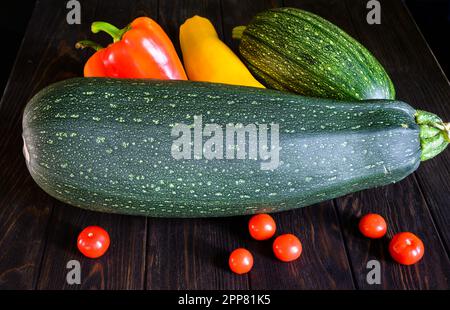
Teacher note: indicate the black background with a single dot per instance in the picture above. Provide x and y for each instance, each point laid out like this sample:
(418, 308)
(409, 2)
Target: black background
(309, 299)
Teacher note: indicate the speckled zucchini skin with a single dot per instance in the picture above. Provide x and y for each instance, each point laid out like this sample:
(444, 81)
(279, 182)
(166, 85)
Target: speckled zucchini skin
(294, 50)
(105, 145)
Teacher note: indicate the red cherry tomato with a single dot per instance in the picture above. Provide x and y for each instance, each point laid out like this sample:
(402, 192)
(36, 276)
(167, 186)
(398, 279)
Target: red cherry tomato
(406, 248)
(93, 241)
(373, 226)
(287, 247)
(261, 226)
(241, 261)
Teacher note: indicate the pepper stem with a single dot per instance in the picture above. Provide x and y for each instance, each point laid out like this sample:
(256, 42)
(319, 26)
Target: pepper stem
(434, 134)
(112, 30)
(88, 43)
(237, 32)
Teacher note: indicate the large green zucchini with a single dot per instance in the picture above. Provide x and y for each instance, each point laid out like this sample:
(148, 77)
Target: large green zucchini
(294, 50)
(105, 145)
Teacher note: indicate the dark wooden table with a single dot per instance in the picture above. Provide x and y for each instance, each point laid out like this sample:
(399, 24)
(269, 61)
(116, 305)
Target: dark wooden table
(38, 234)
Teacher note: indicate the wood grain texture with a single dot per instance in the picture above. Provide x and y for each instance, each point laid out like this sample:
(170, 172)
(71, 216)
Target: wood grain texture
(193, 253)
(38, 233)
(24, 209)
(122, 267)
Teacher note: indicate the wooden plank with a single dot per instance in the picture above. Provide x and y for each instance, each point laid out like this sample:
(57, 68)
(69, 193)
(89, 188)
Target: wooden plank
(24, 215)
(123, 267)
(191, 253)
(324, 264)
(397, 44)
(24, 208)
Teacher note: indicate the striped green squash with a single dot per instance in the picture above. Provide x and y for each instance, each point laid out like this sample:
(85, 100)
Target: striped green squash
(294, 50)
(106, 145)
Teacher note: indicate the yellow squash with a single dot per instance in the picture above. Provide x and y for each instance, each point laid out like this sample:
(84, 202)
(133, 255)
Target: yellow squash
(206, 58)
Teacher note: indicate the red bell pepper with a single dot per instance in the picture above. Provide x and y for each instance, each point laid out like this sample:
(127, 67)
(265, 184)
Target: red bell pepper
(140, 50)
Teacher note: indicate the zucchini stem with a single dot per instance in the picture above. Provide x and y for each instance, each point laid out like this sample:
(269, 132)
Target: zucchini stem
(434, 134)
(447, 131)
(237, 32)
